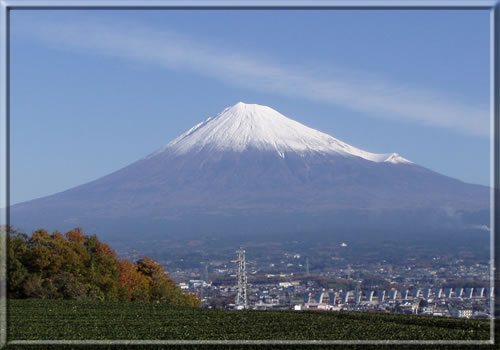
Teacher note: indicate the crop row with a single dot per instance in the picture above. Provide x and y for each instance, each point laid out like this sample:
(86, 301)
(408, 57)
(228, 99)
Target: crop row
(61, 319)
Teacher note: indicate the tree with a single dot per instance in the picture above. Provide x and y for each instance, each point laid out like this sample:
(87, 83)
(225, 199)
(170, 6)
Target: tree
(69, 288)
(16, 271)
(137, 285)
(76, 266)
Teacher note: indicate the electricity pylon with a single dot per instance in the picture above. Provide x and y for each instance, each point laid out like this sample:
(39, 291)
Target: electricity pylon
(241, 297)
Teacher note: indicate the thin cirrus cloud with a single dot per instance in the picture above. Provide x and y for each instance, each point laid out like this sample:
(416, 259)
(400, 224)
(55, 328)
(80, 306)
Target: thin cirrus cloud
(380, 98)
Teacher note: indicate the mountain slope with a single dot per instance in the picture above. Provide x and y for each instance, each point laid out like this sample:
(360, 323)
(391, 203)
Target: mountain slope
(252, 169)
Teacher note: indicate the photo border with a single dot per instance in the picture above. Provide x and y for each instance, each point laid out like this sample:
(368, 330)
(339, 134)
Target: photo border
(493, 5)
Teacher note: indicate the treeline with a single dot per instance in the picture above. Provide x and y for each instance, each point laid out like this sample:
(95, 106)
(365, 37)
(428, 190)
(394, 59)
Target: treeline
(77, 266)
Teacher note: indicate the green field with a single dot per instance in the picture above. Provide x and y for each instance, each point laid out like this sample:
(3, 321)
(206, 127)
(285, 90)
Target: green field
(79, 320)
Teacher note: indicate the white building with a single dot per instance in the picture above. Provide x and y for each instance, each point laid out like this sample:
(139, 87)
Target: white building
(460, 312)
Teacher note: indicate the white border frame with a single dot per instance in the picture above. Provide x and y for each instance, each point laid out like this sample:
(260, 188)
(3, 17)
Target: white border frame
(492, 5)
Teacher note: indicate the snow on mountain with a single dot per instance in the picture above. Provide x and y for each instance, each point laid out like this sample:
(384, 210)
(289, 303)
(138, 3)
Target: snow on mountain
(245, 126)
(250, 171)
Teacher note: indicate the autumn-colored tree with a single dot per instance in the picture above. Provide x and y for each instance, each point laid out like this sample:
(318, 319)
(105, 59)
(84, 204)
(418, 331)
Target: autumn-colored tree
(136, 284)
(76, 266)
(163, 288)
(76, 235)
(149, 267)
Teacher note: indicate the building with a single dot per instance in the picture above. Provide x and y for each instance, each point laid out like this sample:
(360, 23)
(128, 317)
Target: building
(461, 312)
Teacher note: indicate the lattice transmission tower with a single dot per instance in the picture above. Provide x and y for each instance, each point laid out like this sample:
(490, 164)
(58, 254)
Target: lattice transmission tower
(241, 297)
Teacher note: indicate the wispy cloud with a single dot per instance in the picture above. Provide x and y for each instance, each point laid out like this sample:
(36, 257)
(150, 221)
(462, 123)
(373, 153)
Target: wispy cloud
(375, 97)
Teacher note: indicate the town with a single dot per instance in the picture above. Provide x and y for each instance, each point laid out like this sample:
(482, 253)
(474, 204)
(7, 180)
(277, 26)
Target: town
(307, 295)
(440, 278)
(445, 288)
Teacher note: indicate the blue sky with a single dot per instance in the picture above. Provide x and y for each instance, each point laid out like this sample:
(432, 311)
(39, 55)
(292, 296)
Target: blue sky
(93, 91)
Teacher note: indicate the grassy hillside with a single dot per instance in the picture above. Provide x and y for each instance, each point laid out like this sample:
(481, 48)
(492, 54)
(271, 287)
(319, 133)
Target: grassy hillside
(80, 320)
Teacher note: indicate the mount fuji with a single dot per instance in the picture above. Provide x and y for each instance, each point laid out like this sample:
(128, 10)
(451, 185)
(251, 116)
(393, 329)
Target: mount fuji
(250, 170)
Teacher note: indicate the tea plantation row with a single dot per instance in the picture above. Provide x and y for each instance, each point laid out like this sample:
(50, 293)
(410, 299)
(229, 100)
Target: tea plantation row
(81, 320)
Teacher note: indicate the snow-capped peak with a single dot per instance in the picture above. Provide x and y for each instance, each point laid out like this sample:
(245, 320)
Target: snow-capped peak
(244, 126)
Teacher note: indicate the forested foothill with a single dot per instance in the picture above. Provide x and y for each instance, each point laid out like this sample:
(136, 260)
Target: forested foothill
(80, 267)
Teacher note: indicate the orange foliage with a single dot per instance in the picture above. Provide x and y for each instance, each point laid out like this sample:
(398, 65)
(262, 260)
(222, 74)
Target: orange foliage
(134, 282)
(89, 267)
(149, 267)
(76, 235)
(104, 249)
